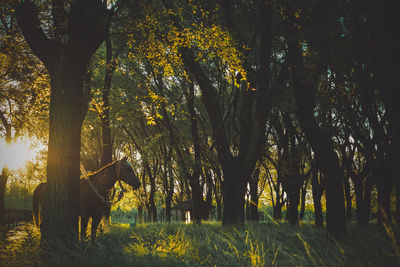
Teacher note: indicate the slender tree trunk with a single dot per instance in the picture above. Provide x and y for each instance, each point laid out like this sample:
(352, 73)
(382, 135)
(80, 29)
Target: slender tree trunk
(363, 200)
(254, 216)
(170, 191)
(397, 211)
(3, 182)
(317, 194)
(140, 214)
(208, 202)
(348, 197)
(197, 192)
(106, 157)
(303, 200)
(152, 209)
(320, 142)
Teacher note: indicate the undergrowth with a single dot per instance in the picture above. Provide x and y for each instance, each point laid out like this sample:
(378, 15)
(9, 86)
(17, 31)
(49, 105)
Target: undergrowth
(176, 244)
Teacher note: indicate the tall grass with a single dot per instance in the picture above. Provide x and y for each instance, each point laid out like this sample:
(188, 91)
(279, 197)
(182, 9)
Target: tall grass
(176, 244)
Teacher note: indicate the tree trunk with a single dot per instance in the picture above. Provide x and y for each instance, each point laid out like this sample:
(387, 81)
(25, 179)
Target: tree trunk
(252, 118)
(348, 197)
(3, 183)
(234, 189)
(384, 199)
(170, 193)
(60, 214)
(397, 211)
(303, 200)
(152, 205)
(363, 200)
(277, 211)
(317, 194)
(77, 35)
(320, 142)
(254, 216)
(292, 206)
(106, 157)
(140, 214)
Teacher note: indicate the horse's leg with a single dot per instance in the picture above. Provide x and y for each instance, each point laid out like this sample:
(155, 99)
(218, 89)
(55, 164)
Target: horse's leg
(84, 223)
(95, 223)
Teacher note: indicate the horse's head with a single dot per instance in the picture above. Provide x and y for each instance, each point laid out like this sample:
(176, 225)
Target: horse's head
(127, 174)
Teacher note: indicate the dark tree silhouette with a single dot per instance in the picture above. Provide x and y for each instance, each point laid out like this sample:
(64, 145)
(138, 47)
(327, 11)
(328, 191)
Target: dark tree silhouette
(66, 53)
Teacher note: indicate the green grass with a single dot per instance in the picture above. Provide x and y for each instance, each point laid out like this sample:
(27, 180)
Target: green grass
(176, 244)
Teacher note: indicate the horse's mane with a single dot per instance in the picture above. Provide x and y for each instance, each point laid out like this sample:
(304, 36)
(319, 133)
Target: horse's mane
(91, 175)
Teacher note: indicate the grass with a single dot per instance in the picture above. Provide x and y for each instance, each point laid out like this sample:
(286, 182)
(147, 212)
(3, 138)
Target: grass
(176, 244)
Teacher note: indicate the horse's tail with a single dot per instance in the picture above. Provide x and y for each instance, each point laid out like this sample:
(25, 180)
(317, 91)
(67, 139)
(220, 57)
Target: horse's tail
(35, 204)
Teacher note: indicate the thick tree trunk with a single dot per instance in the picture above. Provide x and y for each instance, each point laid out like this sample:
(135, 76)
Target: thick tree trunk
(292, 206)
(234, 189)
(60, 214)
(77, 35)
(3, 182)
(277, 211)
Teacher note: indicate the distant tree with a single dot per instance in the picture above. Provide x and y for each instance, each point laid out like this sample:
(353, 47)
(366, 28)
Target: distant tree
(24, 92)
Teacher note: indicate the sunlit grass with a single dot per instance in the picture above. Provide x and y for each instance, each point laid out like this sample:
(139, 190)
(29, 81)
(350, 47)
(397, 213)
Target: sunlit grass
(210, 244)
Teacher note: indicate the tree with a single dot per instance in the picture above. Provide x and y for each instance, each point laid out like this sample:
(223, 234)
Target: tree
(24, 89)
(79, 28)
(251, 116)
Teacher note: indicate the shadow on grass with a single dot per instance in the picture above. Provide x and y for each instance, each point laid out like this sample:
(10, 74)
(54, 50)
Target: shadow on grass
(175, 244)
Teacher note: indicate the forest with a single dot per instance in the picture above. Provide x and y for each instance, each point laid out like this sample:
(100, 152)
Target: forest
(199, 132)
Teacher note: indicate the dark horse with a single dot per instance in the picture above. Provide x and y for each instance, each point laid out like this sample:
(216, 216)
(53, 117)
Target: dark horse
(94, 200)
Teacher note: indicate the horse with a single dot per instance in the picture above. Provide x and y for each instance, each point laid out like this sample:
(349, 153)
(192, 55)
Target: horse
(94, 191)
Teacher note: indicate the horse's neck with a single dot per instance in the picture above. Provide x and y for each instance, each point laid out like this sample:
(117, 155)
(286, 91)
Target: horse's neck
(105, 179)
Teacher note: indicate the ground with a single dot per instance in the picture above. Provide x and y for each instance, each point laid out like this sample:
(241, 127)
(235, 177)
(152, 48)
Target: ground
(177, 244)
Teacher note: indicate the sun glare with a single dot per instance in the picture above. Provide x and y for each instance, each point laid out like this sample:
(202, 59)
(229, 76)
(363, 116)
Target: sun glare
(16, 155)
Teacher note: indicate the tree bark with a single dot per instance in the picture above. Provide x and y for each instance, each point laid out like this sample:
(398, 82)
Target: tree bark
(348, 197)
(292, 206)
(317, 194)
(303, 200)
(78, 34)
(233, 189)
(254, 216)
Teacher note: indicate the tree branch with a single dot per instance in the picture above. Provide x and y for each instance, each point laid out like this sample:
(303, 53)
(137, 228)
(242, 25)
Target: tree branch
(28, 21)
